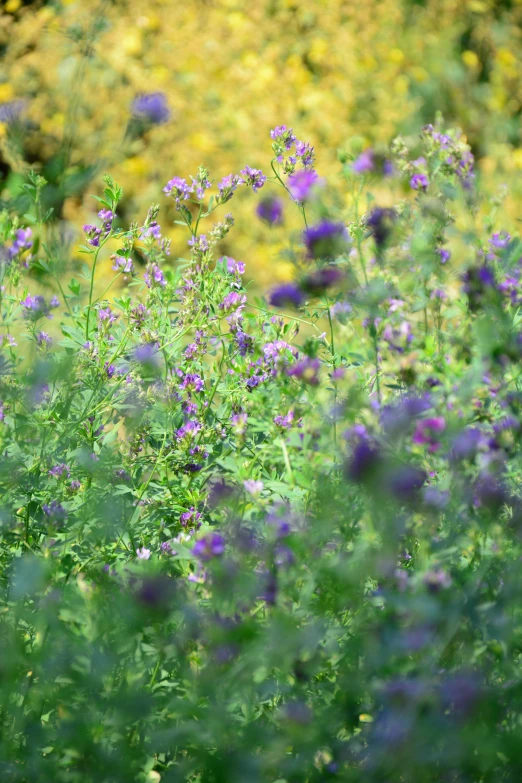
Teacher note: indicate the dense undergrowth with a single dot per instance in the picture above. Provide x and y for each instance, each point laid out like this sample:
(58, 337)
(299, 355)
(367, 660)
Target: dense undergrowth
(273, 539)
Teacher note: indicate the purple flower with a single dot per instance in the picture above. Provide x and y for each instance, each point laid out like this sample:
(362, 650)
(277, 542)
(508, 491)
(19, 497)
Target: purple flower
(106, 317)
(154, 277)
(234, 267)
(301, 184)
(427, 430)
(253, 177)
(406, 481)
(466, 443)
(500, 240)
(305, 153)
(370, 161)
(326, 239)
(306, 370)
(437, 580)
(11, 110)
(444, 254)
(199, 244)
(121, 264)
(178, 188)
(43, 340)
(190, 518)
(270, 210)
(228, 185)
(188, 431)
(419, 182)
(60, 471)
(147, 354)
(211, 545)
(285, 422)
(36, 307)
(151, 107)
(283, 137)
(286, 294)
(55, 511)
(201, 183)
(253, 487)
(232, 301)
(192, 383)
(318, 282)
(380, 222)
(244, 342)
(143, 553)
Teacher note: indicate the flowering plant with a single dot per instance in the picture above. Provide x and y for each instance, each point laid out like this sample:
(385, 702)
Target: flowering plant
(266, 541)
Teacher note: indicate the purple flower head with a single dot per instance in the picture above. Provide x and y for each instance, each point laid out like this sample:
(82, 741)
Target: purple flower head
(23, 240)
(466, 444)
(192, 383)
(405, 482)
(232, 301)
(283, 138)
(419, 181)
(380, 222)
(11, 110)
(154, 277)
(370, 161)
(428, 430)
(437, 580)
(228, 185)
(210, 546)
(477, 280)
(444, 254)
(306, 370)
(500, 240)
(234, 267)
(147, 354)
(253, 177)
(190, 518)
(301, 184)
(285, 422)
(253, 487)
(244, 342)
(106, 317)
(143, 553)
(43, 340)
(201, 183)
(178, 188)
(321, 280)
(199, 244)
(60, 471)
(54, 511)
(270, 210)
(121, 264)
(304, 153)
(188, 431)
(151, 107)
(398, 338)
(35, 307)
(286, 294)
(326, 239)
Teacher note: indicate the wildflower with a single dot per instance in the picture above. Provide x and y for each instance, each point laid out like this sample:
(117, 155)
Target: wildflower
(190, 517)
(444, 254)
(231, 301)
(398, 338)
(60, 471)
(43, 340)
(178, 189)
(437, 580)
(151, 107)
(270, 210)
(192, 383)
(318, 282)
(301, 184)
(305, 154)
(199, 244)
(326, 239)
(380, 222)
(55, 511)
(188, 431)
(106, 317)
(121, 264)
(143, 553)
(405, 481)
(10, 111)
(307, 370)
(500, 240)
(371, 162)
(286, 294)
(239, 423)
(285, 422)
(147, 354)
(154, 277)
(201, 182)
(427, 430)
(253, 177)
(419, 181)
(253, 487)
(211, 545)
(283, 138)
(36, 307)
(244, 342)
(234, 267)
(227, 186)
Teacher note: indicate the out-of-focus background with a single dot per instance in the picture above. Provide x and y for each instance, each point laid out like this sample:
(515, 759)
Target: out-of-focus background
(343, 74)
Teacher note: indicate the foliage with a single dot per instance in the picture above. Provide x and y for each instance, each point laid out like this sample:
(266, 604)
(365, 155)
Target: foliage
(231, 552)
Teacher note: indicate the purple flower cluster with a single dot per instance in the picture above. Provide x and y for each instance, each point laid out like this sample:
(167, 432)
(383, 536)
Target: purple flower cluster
(93, 234)
(152, 107)
(36, 307)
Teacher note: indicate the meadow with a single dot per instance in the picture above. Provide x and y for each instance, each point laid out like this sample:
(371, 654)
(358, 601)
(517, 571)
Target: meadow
(260, 393)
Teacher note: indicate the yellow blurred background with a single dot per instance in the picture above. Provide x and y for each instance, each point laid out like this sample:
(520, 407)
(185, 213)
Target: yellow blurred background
(343, 74)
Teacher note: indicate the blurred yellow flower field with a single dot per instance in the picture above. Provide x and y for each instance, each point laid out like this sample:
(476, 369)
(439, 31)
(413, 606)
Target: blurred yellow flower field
(343, 75)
